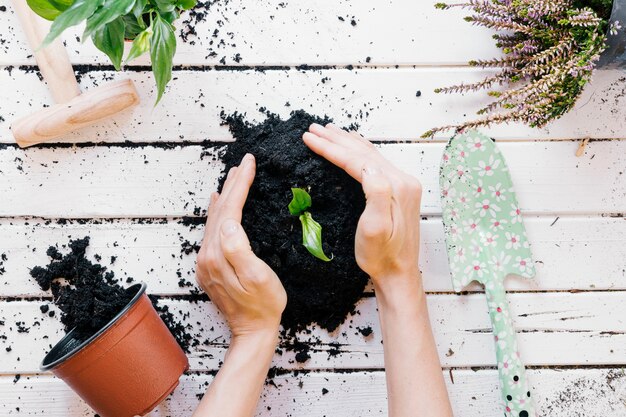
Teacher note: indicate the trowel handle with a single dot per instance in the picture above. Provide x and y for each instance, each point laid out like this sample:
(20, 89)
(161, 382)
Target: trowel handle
(516, 396)
(53, 62)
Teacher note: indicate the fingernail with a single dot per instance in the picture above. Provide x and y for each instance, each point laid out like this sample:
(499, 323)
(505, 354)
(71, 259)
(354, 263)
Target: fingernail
(317, 126)
(229, 227)
(247, 158)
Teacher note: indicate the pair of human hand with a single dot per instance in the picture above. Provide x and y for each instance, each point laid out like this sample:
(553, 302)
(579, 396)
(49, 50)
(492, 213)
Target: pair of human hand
(249, 293)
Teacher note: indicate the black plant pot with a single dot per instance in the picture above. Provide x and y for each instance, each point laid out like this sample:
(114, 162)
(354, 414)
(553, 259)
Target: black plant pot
(614, 57)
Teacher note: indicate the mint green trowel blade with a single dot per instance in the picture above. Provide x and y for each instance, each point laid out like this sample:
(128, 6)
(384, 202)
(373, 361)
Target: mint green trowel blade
(485, 235)
(486, 241)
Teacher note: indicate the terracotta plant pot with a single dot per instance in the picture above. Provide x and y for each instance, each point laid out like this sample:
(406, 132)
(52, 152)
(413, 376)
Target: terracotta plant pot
(125, 369)
(614, 57)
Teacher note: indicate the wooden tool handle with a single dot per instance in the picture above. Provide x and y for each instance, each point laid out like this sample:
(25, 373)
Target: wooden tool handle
(89, 107)
(53, 61)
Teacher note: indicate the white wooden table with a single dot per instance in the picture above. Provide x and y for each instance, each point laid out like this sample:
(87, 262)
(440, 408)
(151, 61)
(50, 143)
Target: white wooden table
(146, 172)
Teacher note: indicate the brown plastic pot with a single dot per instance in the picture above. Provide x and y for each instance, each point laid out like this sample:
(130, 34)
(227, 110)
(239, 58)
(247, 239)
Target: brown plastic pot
(128, 367)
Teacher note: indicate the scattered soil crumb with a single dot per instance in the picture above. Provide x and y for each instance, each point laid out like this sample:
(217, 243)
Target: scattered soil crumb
(89, 295)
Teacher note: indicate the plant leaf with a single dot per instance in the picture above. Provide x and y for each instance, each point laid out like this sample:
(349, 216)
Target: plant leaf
(312, 236)
(141, 45)
(110, 40)
(110, 10)
(165, 5)
(48, 9)
(76, 13)
(139, 7)
(162, 50)
(300, 202)
(133, 26)
(186, 4)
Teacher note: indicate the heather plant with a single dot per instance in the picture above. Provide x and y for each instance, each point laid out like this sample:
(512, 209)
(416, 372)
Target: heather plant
(550, 49)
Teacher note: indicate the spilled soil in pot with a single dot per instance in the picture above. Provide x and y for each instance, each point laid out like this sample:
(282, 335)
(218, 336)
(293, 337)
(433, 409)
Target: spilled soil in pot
(318, 292)
(88, 295)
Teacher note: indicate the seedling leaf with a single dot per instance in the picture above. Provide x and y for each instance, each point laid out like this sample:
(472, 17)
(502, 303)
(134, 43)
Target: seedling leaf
(300, 203)
(312, 236)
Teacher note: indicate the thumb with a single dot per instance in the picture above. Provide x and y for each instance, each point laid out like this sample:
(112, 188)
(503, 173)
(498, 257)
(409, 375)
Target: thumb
(236, 247)
(376, 220)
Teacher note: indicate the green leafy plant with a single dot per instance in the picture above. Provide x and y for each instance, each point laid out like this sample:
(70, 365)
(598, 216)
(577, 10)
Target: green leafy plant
(550, 50)
(147, 23)
(311, 230)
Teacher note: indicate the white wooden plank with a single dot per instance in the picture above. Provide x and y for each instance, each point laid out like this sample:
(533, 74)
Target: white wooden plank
(272, 32)
(382, 101)
(157, 182)
(571, 252)
(549, 324)
(558, 393)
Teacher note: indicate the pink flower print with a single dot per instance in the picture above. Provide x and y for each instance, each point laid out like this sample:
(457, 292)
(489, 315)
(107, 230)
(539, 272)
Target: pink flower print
(460, 174)
(524, 264)
(475, 144)
(520, 400)
(479, 189)
(476, 269)
(497, 224)
(461, 154)
(463, 200)
(451, 212)
(489, 239)
(446, 157)
(505, 365)
(487, 168)
(500, 339)
(497, 192)
(516, 214)
(459, 256)
(455, 234)
(485, 207)
(498, 262)
(476, 248)
(449, 193)
(470, 225)
(512, 241)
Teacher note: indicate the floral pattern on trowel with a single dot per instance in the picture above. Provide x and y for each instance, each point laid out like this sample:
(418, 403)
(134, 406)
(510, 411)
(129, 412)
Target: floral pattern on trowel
(486, 241)
(481, 215)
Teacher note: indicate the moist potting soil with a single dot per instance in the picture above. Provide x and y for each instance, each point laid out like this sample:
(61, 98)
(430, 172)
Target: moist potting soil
(317, 291)
(89, 295)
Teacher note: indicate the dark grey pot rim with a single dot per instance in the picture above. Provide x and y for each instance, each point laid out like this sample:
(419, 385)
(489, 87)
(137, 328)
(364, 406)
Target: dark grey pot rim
(68, 346)
(614, 57)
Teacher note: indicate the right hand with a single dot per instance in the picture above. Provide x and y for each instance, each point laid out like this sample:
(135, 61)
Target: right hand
(387, 236)
(242, 286)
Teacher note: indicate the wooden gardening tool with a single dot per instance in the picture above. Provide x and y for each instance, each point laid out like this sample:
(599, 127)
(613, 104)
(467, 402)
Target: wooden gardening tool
(74, 110)
(486, 241)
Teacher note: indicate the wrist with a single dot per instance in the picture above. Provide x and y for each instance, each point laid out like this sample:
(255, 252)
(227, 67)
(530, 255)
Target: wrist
(406, 289)
(264, 339)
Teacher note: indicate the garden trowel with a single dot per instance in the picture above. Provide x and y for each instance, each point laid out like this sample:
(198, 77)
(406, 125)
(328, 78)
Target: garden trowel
(486, 241)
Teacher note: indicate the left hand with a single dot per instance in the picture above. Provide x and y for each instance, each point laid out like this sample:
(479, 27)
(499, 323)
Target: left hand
(243, 287)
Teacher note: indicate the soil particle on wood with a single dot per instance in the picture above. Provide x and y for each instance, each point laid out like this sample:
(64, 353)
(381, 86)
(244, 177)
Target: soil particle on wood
(318, 292)
(89, 295)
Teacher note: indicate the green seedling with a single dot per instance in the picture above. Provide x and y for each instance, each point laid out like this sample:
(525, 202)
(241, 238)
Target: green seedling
(311, 230)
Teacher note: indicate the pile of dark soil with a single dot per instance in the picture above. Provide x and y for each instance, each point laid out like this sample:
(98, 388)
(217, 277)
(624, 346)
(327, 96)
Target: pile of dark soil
(317, 291)
(88, 295)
